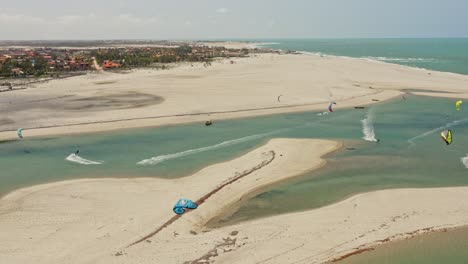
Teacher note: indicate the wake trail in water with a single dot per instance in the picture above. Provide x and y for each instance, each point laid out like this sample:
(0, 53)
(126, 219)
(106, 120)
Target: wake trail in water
(162, 158)
(77, 159)
(435, 130)
(368, 127)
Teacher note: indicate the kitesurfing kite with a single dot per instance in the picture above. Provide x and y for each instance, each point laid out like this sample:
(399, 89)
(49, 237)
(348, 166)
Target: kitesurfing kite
(19, 132)
(330, 107)
(279, 98)
(446, 136)
(182, 204)
(458, 105)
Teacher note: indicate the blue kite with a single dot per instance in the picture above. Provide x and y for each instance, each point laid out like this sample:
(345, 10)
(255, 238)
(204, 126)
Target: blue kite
(182, 204)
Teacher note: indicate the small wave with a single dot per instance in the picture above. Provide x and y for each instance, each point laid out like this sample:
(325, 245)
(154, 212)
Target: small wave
(77, 159)
(391, 59)
(261, 44)
(435, 130)
(464, 160)
(311, 53)
(368, 127)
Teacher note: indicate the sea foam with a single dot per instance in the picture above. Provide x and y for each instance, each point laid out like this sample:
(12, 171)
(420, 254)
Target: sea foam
(464, 160)
(407, 60)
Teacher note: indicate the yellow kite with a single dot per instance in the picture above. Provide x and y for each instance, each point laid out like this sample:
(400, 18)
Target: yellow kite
(458, 105)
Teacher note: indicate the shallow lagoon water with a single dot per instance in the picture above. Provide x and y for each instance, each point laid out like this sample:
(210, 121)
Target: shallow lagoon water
(396, 161)
(410, 154)
(439, 247)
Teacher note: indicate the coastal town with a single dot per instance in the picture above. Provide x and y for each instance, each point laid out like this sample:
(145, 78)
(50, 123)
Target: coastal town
(22, 62)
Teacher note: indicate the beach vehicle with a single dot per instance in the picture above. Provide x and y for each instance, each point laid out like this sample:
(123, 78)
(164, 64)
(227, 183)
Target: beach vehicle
(183, 204)
(208, 123)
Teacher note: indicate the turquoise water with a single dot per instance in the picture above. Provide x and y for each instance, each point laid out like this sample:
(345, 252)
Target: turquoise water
(370, 166)
(440, 247)
(409, 132)
(32, 161)
(450, 55)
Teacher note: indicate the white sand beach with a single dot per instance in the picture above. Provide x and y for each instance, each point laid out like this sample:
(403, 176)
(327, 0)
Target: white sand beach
(194, 93)
(117, 220)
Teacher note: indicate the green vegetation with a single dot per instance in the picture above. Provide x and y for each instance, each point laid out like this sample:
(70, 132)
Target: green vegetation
(146, 56)
(48, 61)
(33, 66)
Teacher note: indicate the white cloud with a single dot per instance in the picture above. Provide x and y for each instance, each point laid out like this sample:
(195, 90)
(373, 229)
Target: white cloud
(20, 19)
(271, 23)
(69, 18)
(131, 19)
(22, 26)
(222, 10)
(122, 4)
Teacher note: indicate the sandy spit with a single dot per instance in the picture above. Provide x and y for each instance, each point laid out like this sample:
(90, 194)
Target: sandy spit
(82, 221)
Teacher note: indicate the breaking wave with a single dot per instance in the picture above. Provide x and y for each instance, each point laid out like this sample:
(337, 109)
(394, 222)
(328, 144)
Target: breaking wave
(368, 127)
(77, 159)
(402, 60)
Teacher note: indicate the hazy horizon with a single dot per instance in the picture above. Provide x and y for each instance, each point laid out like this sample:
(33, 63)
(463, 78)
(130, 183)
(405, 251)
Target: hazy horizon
(211, 19)
(224, 39)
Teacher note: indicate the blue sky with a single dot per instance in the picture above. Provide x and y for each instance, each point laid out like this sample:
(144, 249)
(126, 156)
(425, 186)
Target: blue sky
(211, 19)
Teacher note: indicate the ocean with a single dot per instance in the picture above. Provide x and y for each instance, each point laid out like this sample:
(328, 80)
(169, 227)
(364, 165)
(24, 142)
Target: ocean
(440, 54)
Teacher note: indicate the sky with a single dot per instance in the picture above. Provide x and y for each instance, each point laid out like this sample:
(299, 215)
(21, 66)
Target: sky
(234, 19)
